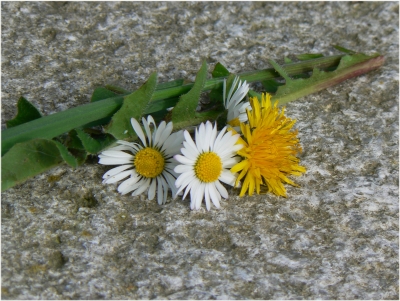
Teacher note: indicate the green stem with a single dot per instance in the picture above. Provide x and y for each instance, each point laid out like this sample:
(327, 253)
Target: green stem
(99, 112)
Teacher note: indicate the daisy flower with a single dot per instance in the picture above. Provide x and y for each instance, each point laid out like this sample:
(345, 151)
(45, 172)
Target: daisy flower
(149, 165)
(236, 108)
(205, 163)
(269, 149)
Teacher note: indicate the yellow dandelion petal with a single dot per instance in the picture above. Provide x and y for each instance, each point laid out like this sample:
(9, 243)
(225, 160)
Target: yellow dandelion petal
(269, 149)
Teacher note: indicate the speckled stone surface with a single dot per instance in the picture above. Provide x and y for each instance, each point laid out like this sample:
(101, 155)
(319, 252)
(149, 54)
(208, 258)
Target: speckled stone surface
(67, 236)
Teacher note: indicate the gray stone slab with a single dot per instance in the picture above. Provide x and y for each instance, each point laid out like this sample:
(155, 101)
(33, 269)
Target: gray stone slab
(67, 236)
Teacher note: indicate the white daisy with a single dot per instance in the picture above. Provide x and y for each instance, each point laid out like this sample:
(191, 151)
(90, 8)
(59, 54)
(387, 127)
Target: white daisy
(149, 165)
(205, 163)
(236, 108)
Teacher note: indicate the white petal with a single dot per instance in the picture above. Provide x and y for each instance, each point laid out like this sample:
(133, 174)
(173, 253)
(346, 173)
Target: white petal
(150, 120)
(157, 134)
(227, 177)
(224, 93)
(207, 197)
(221, 189)
(165, 190)
(152, 190)
(189, 154)
(229, 162)
(199, 137)
(183, 160)
(117, 177)
(173, 143)
(128, 185)
(194, 151)
(160, 195)
(136, 146)
(165, 134)
(233, 87)
(199, 196)
(219, 137)
(171, 182)
(114, 161)
(183, 168)
(145, 184)
(192, 185)
(184, 179)
(116, 170)
(138, 130)
(215, 196)
(116, 154)
(189, 140)
(225, 143)
(123, 148)
(147, 129)
(194, 195)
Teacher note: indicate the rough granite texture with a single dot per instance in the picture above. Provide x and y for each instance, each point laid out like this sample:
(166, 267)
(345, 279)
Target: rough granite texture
(67, 236)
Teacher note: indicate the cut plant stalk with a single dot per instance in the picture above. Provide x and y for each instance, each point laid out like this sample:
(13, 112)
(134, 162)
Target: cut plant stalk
(100, 112)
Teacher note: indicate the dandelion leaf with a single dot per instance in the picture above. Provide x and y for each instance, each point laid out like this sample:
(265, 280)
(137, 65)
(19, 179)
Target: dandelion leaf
(102, 93)
(349, 66)
(271, 85)
(185, 110)
(134, 105)
(219, 71)
(171, 84)
(342, 49)
(308, 56)
(26, 112)
(287, 60)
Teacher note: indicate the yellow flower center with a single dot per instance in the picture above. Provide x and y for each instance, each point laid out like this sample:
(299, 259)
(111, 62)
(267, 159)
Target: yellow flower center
(208, 167)
(149, 162)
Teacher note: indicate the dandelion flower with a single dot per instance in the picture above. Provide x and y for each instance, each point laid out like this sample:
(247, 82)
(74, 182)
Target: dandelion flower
(205, 163)
(269, 149)
(149, 165)
(236, 108)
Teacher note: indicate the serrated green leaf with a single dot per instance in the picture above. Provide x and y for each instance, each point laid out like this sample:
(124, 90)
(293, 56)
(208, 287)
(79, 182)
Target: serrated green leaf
(309, 56)
(66, 155)
(26, 112)
(185, 109)
(73, 141)
(342, 49)
(270, 85)
(117, 90)
(134, 106)
(171, 84)
(219, 71)
(27, 159)
(101, 93)
(93, 144)
(287, 60)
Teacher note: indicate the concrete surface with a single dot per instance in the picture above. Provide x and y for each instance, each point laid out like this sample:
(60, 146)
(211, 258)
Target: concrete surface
(66, 236)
